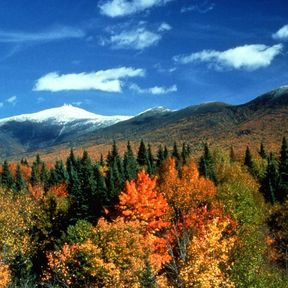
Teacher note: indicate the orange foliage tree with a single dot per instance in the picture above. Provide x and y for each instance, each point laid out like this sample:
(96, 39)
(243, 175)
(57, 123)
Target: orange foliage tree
(186, 191)
(142, 201)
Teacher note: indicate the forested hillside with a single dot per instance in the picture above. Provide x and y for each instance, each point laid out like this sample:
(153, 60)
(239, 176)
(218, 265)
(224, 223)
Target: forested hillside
(143, 220)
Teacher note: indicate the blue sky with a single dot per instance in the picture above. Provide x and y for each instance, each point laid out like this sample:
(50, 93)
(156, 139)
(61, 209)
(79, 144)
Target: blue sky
(125, 56)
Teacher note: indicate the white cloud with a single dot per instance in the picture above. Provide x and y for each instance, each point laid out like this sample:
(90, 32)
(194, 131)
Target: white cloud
(110, 80)
(248, 57)
(57, 33)
(156, 90)
(135, 39)
(138, 38)
(119, 8)
(164, 27)
(281, 34)
(12, 100)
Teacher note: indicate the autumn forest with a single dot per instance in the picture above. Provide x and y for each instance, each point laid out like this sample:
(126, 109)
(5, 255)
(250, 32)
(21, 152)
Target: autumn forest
(146, 218)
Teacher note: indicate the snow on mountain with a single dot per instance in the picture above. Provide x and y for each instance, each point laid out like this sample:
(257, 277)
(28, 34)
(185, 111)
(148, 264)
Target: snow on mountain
(65, 114)
(159, 109)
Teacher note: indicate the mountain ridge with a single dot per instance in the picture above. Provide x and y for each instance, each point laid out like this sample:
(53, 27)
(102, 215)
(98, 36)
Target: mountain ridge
(257, 120)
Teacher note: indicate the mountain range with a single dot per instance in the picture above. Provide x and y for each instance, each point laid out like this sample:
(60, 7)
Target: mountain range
(264, 119)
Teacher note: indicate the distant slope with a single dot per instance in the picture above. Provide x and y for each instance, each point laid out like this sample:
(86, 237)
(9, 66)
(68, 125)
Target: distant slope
(263, 119)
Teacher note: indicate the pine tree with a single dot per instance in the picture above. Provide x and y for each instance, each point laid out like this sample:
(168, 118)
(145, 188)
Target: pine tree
(283, 171)
(185, 153)
(101, 189)
(262, 151)
(20, 184)
(129, 163)
(166, 153)
(142, 156)
(38, 160)
(44, 177)
(60, 172)
(248, 161)
(6, 176)
(175, 152)
(114, 160)
(207, 164)
(269, 184)
(71, 161)
(34, 178)
(160, 156)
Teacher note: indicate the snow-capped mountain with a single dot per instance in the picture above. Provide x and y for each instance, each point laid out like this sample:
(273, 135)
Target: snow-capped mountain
(53, 126)
(155, 110)
(64, 115)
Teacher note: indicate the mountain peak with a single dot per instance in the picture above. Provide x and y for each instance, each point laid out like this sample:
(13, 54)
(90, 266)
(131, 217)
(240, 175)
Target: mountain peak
(155, 110)
(63, 114)
(278, 96)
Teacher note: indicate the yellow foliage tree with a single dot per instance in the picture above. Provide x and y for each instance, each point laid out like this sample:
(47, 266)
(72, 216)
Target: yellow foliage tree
(186, 191)
(207, 261)
(114, 257)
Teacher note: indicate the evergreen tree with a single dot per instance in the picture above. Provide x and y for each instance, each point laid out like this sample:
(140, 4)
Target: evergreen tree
(166, 153)
(38, 160)
(34, 178)
(71, 161)
(111, 189)
(60, 172)
(207, 164)
(6, 176)
(24, 162)
(283, 171)
(129, 164)
(88, 186)
(114, 160)
(160, 156)
(142, 156)
(44, 177)
(20, 184)
(175, 152)
(262, 151)
(269, 184)
(248, 161)
(185, 153)
(101, 199)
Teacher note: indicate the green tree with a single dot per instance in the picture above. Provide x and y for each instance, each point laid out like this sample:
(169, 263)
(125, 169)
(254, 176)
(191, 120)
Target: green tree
(34, 178)
(262, 151)
(6, 176)
(207, 164)
(269, 184)
(20, 184)
(142, 154)
(129, 163)
(160, 156)
(283, 171)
